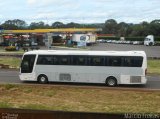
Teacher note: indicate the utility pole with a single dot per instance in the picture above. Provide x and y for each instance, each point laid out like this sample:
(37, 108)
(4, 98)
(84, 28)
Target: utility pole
(49, 40)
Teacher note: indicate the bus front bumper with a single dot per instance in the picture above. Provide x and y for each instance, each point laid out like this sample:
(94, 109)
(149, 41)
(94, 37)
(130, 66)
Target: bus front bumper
(28, 77)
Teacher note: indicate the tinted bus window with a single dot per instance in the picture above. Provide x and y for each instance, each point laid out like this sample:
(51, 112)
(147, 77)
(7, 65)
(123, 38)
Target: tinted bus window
(113, 61)
(127, 62)
(90, 60)
(45, 60)
(79, 60)
(96, 61)
(61, 60)
(27, 63)
(137, 61)
(132, 61)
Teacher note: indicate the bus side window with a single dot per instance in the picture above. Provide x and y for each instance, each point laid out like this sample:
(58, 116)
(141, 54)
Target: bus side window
(114, 61)
(43, 61)
(74, 60)
(55, 60)
(97, 61)
(127, 62)
(137, 61)
(65, 60)
(61, 60)
(82, 60)
(132, 61)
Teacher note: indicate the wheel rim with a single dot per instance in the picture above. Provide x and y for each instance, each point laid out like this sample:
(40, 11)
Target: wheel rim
(42, 79)
(111, 82)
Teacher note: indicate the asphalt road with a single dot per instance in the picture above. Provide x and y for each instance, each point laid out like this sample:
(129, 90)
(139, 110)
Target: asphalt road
(151, 51)
(11, 76)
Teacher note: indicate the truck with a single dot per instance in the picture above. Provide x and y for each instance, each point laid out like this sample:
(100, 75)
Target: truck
(149, 40)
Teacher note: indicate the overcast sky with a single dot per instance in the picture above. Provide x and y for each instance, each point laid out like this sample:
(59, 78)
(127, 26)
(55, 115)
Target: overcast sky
(80, 11)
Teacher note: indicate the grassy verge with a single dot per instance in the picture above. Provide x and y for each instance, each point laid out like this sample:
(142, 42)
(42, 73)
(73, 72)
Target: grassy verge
(78, 99)
(11, 61)
(154, 67)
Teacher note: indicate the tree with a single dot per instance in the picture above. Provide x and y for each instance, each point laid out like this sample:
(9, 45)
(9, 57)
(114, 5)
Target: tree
(38, 25)
(154, 27)
(110, 27)
(14, 24)
(73, 25)
(122, 29)
(157, 21)
(58, 25)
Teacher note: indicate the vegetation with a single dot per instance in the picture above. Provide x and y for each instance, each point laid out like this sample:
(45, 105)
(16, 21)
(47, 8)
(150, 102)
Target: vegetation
(10, 48)
(109, 27)
(11, 61)
(70, 98)
(154, 67)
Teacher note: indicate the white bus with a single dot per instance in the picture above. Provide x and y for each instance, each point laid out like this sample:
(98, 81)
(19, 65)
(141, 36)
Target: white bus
(109, 67)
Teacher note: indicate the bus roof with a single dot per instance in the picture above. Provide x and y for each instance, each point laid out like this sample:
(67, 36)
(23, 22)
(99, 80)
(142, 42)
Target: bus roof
(82, 52)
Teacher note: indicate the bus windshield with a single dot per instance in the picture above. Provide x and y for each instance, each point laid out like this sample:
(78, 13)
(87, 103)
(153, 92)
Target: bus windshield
(27, 63)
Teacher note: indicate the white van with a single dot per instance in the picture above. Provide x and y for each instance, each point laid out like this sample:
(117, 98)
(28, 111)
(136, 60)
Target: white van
(149, 40)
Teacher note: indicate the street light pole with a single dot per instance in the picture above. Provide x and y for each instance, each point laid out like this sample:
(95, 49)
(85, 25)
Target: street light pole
(49, 40)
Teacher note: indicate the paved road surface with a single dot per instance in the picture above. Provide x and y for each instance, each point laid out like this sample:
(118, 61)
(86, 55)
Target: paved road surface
(11, 76)
(151, 51)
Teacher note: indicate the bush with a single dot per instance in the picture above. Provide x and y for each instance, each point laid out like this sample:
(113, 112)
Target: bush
(157, 38)
(10, 48)
(108, 38)
(134, 38)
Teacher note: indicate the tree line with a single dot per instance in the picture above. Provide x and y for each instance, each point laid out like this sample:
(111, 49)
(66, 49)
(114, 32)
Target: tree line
(110, 26)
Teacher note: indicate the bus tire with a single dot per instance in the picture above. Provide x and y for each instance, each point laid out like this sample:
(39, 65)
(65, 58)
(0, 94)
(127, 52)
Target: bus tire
(43, 79)
(111, 81)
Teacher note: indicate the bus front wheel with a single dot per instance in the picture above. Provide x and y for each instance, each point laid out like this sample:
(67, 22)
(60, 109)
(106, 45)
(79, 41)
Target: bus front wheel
(42, 79)
(111, 81)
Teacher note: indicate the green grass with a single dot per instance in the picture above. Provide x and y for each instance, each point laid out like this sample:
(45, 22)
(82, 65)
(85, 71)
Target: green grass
(11, 61)
(9, 86)
(154, 67)
(5, 105)
(79, 99)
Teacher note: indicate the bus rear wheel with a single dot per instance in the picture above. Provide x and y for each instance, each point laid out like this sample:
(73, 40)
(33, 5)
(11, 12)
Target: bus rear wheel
(43, 79)
(111, 81)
